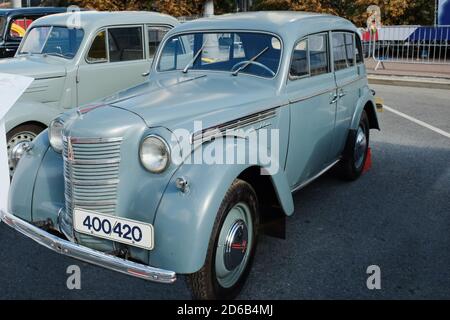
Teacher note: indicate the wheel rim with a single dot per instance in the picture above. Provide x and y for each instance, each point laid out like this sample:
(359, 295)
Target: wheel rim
(234, 245)
(21, 137)
(360, 147)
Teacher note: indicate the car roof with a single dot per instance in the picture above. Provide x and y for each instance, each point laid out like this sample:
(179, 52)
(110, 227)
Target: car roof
(32, 10)
(93, 20)
(287, 24)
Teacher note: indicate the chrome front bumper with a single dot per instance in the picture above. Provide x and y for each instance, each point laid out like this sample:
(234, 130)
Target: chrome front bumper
(88, 255)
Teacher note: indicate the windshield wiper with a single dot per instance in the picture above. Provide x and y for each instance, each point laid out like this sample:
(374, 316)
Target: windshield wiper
(185, 70)
(235, 73)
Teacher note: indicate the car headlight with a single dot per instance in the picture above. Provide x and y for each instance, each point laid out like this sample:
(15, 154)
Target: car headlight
(55, 135)
(154, 154)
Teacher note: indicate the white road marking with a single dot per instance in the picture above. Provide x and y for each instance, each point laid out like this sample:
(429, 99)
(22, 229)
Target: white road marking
(419, 122)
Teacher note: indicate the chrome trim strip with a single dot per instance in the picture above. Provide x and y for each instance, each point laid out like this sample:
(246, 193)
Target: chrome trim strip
(91, 203)
(325, 91)
(91, 140)
(311, 95)
(105, 182)
(221, 129)
(351, 81)
(86, 254)
(304, 184)
(103, 161)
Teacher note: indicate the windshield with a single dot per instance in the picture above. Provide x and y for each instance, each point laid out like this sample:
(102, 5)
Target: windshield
(2, 27)
(235, 52)
(58, 41)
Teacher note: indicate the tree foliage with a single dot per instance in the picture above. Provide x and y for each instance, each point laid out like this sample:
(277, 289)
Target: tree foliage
(392, 11)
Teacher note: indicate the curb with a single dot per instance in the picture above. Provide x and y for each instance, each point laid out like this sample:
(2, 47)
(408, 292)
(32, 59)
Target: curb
(404, 81)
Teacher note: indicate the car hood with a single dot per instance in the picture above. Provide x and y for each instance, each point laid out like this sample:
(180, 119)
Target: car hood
(177, 100)
(35, 66)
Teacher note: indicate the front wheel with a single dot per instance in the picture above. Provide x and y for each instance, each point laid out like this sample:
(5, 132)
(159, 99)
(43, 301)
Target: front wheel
(354, 158)
(16, 137)
(231, 248)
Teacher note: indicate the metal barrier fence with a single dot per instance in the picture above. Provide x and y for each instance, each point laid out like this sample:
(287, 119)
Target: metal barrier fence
(408, 44)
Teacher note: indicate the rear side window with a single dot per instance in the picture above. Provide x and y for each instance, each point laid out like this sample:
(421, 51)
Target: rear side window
(343, 50)
(155, 36)
(125, 44)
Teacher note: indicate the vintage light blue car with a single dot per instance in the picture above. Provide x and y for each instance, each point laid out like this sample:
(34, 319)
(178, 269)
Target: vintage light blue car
(167, 178)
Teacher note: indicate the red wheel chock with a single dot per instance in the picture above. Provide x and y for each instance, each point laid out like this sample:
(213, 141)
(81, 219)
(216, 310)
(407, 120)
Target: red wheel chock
(368, 163)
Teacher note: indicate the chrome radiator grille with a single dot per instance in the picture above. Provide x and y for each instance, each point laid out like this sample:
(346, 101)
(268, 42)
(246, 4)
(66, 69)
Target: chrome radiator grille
(91, 174)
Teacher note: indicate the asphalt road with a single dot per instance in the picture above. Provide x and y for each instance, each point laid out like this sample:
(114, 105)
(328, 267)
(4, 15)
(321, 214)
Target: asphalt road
(397, 216)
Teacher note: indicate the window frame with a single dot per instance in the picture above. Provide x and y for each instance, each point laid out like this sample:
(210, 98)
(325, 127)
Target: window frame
(360, 48)
(355, 64)
(51, 26)
(157, 59)
(106, 29)
(86, 57)
(330, 66)
(8, 27)
(148, 27)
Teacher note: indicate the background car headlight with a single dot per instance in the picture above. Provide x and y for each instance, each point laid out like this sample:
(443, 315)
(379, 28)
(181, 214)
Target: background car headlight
(55, 135)
(154, 154)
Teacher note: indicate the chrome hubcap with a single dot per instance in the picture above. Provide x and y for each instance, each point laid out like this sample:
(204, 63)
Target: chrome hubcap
(234, 245)
(360, 147)
(13, 143)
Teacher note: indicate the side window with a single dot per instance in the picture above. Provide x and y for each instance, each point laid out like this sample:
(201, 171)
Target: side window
(155, 36)
(97, 52)
(125, 44)
(19, 26)
(318, 54)
(299, 64)
(343, 50)
(359, 51)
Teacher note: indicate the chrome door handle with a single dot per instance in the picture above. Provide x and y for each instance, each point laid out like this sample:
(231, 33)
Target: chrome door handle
(334, 100)
(146, 74)
(342, 94)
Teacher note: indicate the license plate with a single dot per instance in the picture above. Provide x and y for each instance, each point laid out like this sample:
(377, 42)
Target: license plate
(122, 230)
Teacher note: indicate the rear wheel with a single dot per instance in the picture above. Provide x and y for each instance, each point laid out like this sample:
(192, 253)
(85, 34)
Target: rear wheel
(352, 164)
(231, 247)
(16, 137)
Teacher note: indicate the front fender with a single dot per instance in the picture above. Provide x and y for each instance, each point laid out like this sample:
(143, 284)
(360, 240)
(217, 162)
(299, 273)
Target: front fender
(37, 188)
(184, 221)
(366, 98)
(30, 111)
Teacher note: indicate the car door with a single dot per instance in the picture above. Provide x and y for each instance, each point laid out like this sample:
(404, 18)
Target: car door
(348, 83)
(311, 89)
(116, 60)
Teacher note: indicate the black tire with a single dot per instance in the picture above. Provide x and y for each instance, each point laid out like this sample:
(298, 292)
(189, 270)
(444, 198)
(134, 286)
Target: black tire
(348, 168)
(30, 131)
(204, 284)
